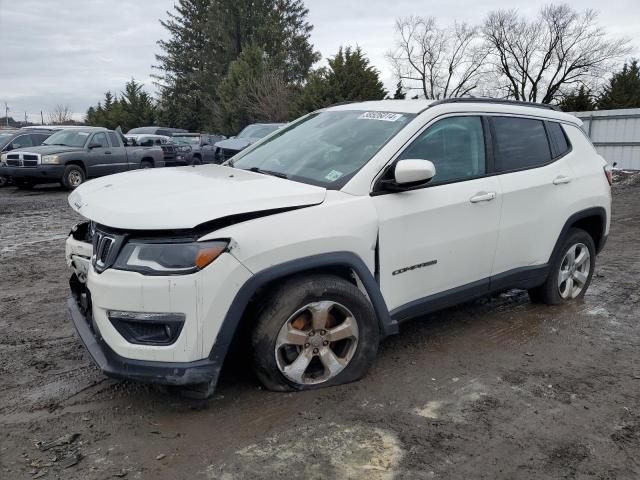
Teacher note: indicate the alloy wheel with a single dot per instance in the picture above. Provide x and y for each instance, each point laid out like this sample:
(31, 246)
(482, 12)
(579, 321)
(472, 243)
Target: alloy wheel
(316, 343)
(574, 271)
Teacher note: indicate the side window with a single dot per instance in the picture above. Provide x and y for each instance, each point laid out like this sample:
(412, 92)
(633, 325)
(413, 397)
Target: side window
(22, 141)
(163, 132)
(456, 147)
(101, 139)
(520, 143)
(114, 139)
(559, 142)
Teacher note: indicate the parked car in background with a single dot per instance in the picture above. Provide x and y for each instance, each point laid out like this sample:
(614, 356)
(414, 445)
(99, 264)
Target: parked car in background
(72, 155)
(226, 149)
(166, 131)
(319, 240)
(22, 138)
(172, 157)
(197, 148)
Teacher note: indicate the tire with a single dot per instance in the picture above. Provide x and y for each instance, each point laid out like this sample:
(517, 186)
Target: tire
(335, 305)
(196, 160)
(577, 273)
(73, 177)
(146, 164)
(4, 181)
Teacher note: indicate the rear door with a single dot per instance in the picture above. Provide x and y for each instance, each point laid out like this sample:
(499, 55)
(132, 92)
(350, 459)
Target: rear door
(537, 187)
(442, 237)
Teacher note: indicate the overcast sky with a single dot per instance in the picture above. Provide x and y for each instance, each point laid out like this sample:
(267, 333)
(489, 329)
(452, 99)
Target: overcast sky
(72, 51)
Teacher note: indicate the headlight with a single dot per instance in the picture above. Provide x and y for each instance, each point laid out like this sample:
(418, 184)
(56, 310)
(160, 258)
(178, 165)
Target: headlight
(50, 160)
(152, 258)
(3, 157)
(185, 148)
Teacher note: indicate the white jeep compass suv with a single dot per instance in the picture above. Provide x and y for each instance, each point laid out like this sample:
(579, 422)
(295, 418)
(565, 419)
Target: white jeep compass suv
(319, 240)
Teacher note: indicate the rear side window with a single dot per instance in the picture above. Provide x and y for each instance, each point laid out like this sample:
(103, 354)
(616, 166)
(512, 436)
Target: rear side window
(558, 138)
(113, 138)
(520, 143)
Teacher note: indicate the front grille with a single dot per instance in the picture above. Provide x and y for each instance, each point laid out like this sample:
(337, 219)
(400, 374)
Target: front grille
(169, 152)
(106, 247)
(22, 160)
(226, 154)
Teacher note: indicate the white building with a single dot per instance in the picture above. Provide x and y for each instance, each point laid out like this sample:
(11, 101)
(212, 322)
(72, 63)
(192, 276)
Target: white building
(615, 134)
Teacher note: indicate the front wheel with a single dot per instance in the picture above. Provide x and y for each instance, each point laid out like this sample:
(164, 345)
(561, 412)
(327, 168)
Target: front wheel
(72, 177)
(313, 332)
(4, 181)
(571, 270)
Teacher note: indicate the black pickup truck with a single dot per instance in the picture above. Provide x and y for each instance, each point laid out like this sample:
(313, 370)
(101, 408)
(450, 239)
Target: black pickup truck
(73, 155)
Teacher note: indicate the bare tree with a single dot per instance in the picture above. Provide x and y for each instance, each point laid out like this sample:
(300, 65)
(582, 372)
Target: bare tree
(268, 97)
(440, 62)
(61, 115)
(535, 60)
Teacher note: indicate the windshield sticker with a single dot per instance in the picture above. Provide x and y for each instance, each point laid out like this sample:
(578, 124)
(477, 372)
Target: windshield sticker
(333, 175)
(384, 116)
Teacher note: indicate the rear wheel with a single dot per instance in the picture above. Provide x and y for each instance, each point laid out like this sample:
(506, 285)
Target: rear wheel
(313, 332)
(73, 177)
(571, 270)
(146, 164)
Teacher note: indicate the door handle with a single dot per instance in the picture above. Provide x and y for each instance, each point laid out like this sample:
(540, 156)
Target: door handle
(107, 152)
(561, 180)
(483, 197)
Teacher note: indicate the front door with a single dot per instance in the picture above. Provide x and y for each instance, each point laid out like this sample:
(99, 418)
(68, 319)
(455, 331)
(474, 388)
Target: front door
(441, 237)
(99, 156)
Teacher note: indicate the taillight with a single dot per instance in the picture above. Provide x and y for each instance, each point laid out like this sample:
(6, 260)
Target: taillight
(608, 172)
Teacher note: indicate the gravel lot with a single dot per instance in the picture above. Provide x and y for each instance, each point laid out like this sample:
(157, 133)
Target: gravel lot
(497, 388)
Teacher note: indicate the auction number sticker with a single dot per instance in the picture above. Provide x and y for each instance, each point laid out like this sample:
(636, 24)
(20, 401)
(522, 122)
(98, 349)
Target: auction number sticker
(384, 116)
(333, 175)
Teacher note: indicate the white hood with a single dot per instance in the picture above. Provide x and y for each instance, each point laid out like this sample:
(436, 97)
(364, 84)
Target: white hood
(184, 197)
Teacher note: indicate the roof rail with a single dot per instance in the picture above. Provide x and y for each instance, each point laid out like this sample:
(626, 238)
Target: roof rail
(494, 100)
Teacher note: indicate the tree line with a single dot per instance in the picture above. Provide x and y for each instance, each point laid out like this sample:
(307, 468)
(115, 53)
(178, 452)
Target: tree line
(228, 63)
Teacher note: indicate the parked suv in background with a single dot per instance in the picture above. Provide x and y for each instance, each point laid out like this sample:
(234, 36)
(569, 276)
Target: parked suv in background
(226, 149)
(21, 138)
(316, 242)
(197, 148)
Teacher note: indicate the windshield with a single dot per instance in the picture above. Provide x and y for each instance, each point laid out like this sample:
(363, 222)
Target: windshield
(6, 138)
(190, 140)
(258, 131)
(142, 130)
(69, 138)
(325, 148)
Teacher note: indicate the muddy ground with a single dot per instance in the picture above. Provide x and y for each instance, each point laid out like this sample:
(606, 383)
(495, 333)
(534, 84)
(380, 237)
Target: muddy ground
(497, 388)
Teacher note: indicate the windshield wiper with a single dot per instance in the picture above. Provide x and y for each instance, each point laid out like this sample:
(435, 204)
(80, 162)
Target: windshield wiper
(268, 172)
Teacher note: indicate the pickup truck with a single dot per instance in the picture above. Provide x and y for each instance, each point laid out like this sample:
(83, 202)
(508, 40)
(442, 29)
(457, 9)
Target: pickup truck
(74, 155)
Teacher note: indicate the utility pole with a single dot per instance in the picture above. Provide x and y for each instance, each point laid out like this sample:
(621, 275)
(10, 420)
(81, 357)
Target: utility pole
(41, 118)
(6, 113)
(26, 119)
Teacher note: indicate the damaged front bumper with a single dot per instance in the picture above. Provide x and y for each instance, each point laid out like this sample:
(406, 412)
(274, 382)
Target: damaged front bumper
(166, 373)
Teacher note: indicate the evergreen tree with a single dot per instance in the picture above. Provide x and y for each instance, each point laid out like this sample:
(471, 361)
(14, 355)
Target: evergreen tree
(206, 36)
(623, 90)
(399, 94)
(134, 108)
(580, 100)
(187, 67)
(349, 77)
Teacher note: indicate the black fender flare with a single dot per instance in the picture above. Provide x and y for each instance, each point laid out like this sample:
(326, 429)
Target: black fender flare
(588, 212)
(234, 314)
